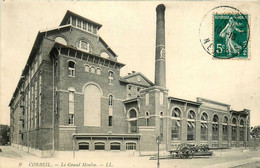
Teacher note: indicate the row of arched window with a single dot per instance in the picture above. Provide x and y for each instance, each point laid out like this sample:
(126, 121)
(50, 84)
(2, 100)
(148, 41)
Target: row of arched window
(82, 45)
(191, 127)
(93, 69)
(88, 68)
(112, 146)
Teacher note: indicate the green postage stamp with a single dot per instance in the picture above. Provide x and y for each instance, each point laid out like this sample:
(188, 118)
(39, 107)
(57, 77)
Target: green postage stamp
(231, 36)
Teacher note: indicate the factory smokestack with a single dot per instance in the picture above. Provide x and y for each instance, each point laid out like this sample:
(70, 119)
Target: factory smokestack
(160, 67)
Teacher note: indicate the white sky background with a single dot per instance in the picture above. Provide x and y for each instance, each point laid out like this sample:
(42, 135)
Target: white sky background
(129, 29)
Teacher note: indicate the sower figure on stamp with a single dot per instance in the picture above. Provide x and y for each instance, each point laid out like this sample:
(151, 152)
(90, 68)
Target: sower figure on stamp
(231, 46)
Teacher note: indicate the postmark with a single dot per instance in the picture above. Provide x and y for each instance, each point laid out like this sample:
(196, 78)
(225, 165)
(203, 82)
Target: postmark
(224, 33)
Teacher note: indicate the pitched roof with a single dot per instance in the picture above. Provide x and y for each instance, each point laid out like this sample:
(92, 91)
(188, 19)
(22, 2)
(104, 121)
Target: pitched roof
(69, 13)
(124, 78)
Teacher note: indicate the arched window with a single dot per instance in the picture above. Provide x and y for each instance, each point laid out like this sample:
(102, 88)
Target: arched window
(104, 55)
(204, 127)
(60, 40)
(110, 100)
(176, 124)
(225, 129)
(83, 146)
(71, 68)
(99, 146)
(87, 69)
(93, 69)
(191, 127)
(110, 104)
(234, 129)
(85, 46)
(215, 128)
(132, 121)
(130, 146)
(241, 130)
(147, 118)
(115, 146)
(92, 107)
(98, 71)
(111, 77)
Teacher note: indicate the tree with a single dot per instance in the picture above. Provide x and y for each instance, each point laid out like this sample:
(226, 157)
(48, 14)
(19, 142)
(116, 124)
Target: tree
(4, 134)
(255, 132)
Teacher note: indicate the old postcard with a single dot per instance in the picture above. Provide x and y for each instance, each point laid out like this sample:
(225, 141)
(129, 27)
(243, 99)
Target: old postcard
(130, 84)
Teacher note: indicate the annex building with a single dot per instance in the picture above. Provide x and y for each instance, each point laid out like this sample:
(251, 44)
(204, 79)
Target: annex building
(71, 96)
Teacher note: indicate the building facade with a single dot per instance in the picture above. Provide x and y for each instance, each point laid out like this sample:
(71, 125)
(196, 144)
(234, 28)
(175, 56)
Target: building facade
(71, 97)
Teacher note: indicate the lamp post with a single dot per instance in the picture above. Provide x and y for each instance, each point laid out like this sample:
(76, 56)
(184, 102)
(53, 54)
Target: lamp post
(158, 141)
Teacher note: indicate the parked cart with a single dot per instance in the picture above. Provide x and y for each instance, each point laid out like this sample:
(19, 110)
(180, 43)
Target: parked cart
(185, 151)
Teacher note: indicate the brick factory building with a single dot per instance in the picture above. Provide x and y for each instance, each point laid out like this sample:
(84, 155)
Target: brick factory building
(71, 97)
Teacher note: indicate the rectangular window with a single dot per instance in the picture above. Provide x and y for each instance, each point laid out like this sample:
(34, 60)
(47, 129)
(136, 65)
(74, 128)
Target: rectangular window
(147, 99)
(71, 108)
(110, 121)
(78, 23)
(234, 133)
(215, 132)
(74, 21)
(35, 105)
(71, 119)
(130, 146)
(241, 134)
(89, 27)
(204, 131)
(191, 131)
(40, 113)
(28, 111)
(71, 72)
(84, 25)
(32, 107)
(40, 84)
(225, 132)
(111, 77)
(175, 129)
(94, 30)
(115, 146)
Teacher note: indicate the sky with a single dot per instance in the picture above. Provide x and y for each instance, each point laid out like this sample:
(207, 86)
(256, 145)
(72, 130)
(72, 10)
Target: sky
(129, 29)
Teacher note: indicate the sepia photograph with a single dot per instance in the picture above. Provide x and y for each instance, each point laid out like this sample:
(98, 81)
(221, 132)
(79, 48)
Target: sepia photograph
(129, 84)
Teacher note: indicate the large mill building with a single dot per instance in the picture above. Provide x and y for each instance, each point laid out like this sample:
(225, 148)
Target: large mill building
(71, 97)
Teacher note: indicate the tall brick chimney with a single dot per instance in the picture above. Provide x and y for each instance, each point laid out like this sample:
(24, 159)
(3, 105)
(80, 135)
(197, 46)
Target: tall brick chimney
(160, 65)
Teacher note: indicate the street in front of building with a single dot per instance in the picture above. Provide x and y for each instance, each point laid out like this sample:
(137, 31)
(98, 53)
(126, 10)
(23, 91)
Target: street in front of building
(240, 157)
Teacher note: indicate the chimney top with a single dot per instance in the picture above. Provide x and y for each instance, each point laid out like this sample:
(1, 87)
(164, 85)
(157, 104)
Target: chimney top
(160, 7)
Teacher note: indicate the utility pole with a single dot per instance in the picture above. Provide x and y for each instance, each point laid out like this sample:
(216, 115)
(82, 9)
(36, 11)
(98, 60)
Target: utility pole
(158, 141)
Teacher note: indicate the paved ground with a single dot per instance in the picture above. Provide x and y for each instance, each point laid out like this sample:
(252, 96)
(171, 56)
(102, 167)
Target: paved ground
(236, 158)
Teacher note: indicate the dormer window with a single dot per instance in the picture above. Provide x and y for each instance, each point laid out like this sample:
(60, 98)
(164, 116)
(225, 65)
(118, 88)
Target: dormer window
(60, 40)
(104, 55)
(83, 45)
(84, 25)
(94, 30)
(79, 23)
(90, 28)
